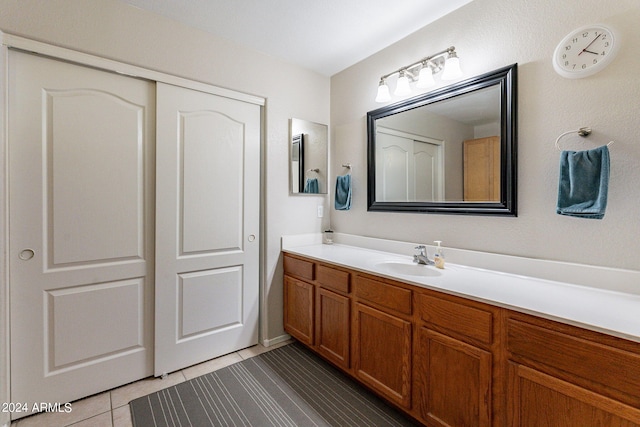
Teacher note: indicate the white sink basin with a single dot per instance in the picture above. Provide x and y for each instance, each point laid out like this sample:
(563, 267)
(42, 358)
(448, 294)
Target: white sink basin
(407, 268)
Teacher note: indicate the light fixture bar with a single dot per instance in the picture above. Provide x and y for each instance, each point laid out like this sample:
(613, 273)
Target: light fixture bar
(424, 60)
(417, 71)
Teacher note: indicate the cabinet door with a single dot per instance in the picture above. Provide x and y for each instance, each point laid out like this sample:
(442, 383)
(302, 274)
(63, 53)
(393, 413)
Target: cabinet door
(541, 400)
(482, 169)
(298, 309)
(332, 322)
(383, 353)
(453, 381)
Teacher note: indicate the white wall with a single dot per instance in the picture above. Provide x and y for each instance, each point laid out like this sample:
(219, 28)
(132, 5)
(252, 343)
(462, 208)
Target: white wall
(489, 34)
(111, 29)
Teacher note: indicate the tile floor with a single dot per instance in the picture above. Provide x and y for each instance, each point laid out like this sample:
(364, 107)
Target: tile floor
(111, 408)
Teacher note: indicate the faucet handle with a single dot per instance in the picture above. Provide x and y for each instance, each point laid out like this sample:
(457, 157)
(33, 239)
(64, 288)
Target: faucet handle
(422, 249)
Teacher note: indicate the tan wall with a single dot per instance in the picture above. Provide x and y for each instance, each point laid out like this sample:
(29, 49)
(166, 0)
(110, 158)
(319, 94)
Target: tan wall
(489, 34)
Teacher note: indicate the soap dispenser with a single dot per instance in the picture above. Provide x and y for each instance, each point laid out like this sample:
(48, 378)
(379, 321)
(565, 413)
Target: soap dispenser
(438, 258)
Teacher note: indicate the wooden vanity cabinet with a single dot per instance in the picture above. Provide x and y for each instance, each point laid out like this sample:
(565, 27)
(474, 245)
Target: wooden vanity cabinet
(299, 299)
(560, 375)
(333, 326)
(299, 305)
(333, 315)
(382, 338)
(453, 374)
(450, 361)
(317, 308)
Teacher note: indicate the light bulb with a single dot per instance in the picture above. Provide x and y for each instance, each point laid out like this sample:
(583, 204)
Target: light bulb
(402, 87)
(452, 69)
(383, 92)
(425, 78)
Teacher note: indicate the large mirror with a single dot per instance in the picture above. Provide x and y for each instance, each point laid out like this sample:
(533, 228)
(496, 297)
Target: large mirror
(308, 154)
(452, 150)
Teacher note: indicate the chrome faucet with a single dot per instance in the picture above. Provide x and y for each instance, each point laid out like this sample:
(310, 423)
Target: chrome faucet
(421, 257)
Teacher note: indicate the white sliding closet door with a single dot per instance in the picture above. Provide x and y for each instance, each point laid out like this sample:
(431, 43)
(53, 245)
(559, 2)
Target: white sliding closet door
(207, 226)
(410, 167)
(81, 229)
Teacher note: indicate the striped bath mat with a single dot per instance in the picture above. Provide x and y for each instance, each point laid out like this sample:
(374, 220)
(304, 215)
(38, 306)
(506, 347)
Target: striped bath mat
(288, 386)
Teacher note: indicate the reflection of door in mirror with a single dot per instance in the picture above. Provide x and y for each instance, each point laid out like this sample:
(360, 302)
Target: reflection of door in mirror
(297, 163)
(410, 167)
(482, 169)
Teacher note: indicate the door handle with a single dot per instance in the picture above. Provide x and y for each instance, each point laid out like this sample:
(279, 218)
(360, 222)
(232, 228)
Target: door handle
(251, 237)
(26, 254)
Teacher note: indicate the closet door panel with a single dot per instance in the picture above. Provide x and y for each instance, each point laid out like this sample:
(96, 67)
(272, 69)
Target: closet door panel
(207, 233)
(104, 182)
(81, 229)
(220, 166)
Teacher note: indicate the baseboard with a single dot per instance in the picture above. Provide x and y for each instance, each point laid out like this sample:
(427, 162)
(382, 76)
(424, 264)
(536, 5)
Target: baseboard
(276, 340)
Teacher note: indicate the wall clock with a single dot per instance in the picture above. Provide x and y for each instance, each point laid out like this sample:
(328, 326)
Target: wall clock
(585, 51)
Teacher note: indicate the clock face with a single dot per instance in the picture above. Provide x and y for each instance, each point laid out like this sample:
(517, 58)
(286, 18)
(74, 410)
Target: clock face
(585, 51)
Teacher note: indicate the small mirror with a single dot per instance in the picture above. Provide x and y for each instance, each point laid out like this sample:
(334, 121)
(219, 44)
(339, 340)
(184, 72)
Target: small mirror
(451, 150)
(309, 163)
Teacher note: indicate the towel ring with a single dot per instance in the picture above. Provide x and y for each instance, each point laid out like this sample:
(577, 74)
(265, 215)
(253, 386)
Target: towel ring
(583, 132)
(316, 170)
(348, 166)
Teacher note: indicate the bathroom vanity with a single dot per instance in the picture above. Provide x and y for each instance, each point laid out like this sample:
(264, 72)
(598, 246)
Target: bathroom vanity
(454, 347)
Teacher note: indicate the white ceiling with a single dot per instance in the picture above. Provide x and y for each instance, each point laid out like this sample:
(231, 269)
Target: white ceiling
(323, 35)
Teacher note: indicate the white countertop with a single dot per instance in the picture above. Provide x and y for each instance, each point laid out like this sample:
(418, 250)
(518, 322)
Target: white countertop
(603, 310)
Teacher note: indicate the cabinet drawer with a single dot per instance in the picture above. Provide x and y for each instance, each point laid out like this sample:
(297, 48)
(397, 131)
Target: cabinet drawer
(461, 319)
(605, 368)
(299, 268)
(334, 279)
(383, 294)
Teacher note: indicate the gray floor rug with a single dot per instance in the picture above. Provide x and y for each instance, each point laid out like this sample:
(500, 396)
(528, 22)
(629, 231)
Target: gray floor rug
(288, 386)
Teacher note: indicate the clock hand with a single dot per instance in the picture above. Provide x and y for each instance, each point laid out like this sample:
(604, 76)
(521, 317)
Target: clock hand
(588, 51)
(592, 42)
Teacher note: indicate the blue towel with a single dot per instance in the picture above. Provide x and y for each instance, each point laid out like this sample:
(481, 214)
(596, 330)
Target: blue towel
(343, 193)
(583, 183)
(311, 186)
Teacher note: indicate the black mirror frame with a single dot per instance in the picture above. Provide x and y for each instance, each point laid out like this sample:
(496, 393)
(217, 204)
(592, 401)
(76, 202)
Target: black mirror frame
(507, 79)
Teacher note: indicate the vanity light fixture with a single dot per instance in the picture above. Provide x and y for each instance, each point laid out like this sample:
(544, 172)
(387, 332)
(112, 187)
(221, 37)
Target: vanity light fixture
(452, 69)
(425, 77)
(422, 73)
(383, 92)
(402, 86)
